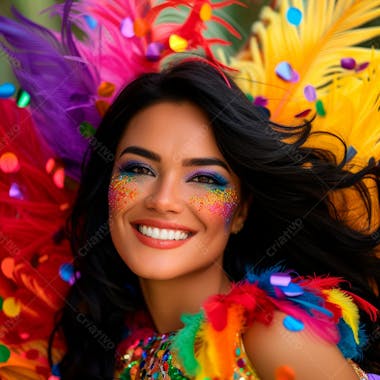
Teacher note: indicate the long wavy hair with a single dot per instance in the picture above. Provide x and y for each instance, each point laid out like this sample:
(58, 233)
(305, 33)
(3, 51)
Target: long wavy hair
(289, 185)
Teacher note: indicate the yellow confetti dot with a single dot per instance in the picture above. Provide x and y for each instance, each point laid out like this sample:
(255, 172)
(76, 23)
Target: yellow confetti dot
(177, 43)
(106, 89)
(9, 163)
(11, 307)
(205, 12)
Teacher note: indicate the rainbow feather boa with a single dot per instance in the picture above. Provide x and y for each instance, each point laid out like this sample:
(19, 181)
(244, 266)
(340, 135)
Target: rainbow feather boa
(316, 303)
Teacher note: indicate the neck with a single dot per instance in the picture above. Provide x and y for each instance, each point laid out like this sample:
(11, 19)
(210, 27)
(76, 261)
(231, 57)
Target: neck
(167, 300)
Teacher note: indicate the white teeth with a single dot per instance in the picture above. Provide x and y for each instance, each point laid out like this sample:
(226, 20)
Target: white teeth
(162, 234)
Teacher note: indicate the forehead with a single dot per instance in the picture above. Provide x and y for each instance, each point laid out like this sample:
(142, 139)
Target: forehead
(168, 128)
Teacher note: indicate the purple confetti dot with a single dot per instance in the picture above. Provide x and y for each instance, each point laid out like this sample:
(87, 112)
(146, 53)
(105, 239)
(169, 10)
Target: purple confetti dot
(280, 279)
(15, 192)
(260, 101)
(310, 93)
(126, 28)
(153, 51)
(348, 63)
(362, 66)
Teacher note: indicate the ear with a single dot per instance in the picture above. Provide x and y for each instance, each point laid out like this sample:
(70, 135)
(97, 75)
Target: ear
(240, 215)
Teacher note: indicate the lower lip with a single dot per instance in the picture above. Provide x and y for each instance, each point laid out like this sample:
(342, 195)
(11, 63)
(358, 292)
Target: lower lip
(157, 243)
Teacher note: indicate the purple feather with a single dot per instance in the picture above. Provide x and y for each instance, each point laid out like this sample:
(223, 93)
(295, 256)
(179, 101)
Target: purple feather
(62, 84)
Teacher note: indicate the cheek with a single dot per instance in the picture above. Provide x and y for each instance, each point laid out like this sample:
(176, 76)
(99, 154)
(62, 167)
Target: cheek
(219, 203)
(121, 192)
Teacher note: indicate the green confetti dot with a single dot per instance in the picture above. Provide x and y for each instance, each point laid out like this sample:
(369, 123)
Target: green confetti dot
(249, 97)
(1, 303)
(320, 108)
(86, 129)
(4, 353)
(23, 99)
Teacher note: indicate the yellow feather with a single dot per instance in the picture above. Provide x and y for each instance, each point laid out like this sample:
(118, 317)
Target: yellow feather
(329, 31)
(350, 311)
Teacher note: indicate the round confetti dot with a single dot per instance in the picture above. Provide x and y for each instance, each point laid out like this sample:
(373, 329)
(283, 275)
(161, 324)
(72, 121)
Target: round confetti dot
(106, 89)
(294, 16)
(7, 90)
(126, 28)
(23, 99)
(292, 290)
(153, 51)
(90, 21)
(66, 272)
(50, 165)
(285, 372)
(280, 279)
(59, 178)
(177, 43)
(292, 324)
(11, 307)
(320, 108)
(140, 27)
(102, 107)
(9, 163)
(86, 129)
(284, 71)
(205, 12)
(7, 266)
(5, 353)
(15, 192)
(310, 93)
(348, 63)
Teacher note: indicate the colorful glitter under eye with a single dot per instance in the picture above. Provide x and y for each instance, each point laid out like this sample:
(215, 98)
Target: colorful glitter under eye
(217, 201)
(122, 189)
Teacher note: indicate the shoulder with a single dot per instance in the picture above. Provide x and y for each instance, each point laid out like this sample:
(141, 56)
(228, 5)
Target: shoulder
(274, 347)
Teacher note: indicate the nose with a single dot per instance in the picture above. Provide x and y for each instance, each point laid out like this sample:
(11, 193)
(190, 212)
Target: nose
(165, 196)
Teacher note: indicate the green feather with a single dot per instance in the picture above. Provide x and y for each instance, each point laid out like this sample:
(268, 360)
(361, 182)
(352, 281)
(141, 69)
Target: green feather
(184, 341)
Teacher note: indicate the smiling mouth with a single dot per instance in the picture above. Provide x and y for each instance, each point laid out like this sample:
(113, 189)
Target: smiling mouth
(162, 233)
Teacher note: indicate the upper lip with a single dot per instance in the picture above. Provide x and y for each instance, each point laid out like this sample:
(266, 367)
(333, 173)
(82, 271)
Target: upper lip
(162, 225)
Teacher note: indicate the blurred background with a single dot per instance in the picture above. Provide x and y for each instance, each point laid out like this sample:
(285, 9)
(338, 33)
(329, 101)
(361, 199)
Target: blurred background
(240, 17)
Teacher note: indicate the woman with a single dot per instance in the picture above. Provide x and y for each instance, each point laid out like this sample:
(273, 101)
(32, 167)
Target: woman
(203, 194)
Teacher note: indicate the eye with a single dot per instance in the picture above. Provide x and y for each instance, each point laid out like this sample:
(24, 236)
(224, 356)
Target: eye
(209, 179)
(136, 169)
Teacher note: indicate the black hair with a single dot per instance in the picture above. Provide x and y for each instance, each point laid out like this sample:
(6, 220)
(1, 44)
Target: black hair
(292, 218)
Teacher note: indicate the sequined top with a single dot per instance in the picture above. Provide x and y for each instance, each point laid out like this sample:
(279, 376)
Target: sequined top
(152, 358)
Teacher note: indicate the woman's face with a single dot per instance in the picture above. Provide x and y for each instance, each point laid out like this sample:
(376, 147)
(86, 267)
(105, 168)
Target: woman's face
(173, 200)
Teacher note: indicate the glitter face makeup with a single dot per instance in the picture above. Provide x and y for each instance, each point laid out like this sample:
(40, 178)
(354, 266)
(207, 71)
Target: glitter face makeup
(121, 191)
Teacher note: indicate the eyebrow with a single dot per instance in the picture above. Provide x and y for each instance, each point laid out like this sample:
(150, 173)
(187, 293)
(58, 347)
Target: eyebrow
(206, 161)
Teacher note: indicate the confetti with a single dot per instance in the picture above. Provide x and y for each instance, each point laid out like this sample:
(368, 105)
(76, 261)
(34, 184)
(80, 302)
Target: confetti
(86, 129)
(66, 272)
(292, 290)
(7, 266)
(153, 51)
(351, 153)
(285, 71)
(280, 279)
(140, 27)
(15, 192)
(23, 99)
(310, 93)
(177, 43)
(106, 89)
(59, 178)
(294, 16)
(9, 163)
(320, 108)
(285, 372)
(7, 90)
(292, 324)
(5, 353)
(206, 12)
(11, 307)
(127, 28)
(348, 63)
(91, 22)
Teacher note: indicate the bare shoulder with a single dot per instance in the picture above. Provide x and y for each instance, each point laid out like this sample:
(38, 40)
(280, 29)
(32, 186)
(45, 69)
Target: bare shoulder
(310, 357)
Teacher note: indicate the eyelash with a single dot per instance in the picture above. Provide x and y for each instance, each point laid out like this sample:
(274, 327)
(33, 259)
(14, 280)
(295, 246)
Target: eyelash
(201, 178)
